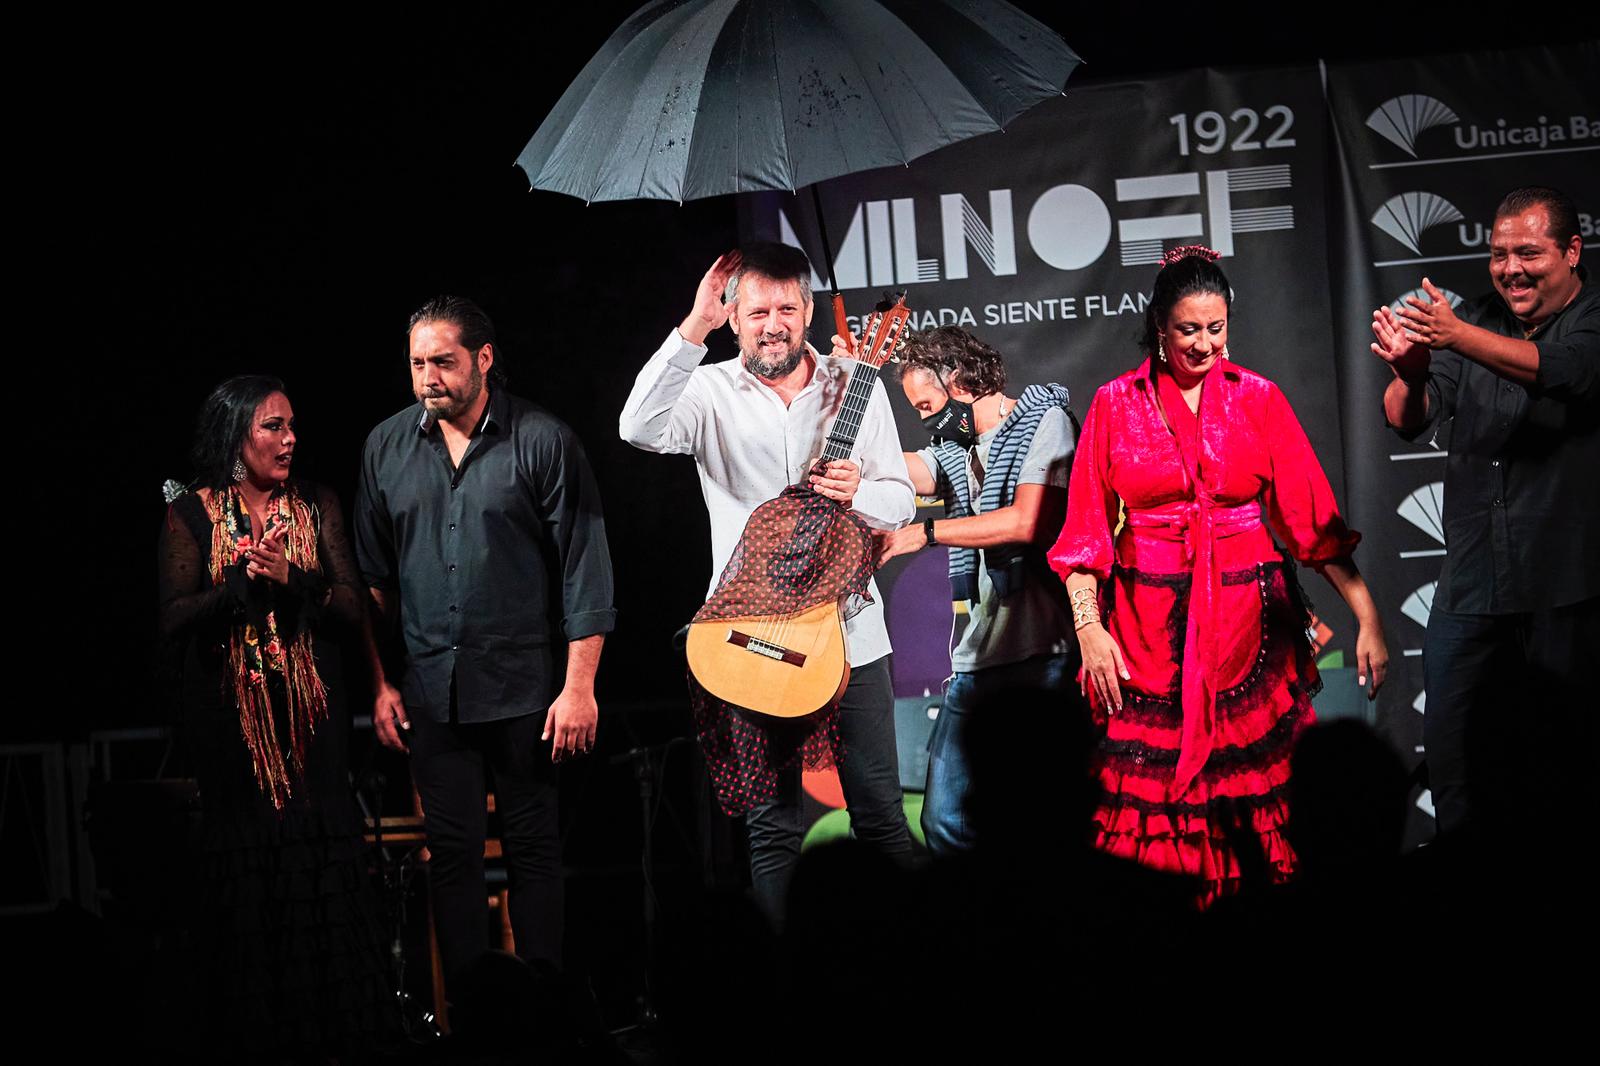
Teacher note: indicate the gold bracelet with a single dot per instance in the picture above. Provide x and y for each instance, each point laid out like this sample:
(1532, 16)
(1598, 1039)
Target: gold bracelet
(1085, 607)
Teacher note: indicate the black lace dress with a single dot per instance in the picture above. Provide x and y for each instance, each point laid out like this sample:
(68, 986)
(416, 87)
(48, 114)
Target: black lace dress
(290, 962)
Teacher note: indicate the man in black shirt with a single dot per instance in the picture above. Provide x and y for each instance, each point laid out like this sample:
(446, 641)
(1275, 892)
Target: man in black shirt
(1516, 373)
(478, 521)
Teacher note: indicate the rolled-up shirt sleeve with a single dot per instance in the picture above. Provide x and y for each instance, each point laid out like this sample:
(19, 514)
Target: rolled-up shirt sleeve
(569, 501)
(1569, 368)
(1444, 377)
(374, 540)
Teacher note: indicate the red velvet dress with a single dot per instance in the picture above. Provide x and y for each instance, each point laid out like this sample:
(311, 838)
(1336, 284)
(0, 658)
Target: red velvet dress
(1204, 607)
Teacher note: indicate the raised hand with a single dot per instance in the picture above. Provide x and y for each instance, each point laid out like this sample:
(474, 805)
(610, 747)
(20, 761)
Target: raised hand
(709, 311)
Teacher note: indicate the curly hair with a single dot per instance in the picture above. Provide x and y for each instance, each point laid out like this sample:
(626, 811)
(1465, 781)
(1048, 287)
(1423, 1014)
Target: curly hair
(224, 423)
(952, 355)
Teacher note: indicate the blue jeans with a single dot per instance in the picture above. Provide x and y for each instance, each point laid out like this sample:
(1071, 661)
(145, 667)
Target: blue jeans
(869, 774)
(945, 819)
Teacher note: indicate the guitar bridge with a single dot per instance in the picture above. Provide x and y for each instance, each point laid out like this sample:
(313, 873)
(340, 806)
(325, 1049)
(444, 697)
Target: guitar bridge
(757, 646)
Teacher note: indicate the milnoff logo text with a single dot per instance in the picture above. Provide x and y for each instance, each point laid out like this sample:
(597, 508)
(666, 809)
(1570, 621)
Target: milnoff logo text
(1067, 227)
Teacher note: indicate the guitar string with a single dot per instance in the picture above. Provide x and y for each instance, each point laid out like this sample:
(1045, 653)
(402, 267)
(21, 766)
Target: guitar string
(852, 412)
(851, 416)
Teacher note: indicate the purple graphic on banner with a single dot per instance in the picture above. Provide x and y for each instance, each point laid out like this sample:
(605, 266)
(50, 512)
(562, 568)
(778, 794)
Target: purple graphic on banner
(919, 623)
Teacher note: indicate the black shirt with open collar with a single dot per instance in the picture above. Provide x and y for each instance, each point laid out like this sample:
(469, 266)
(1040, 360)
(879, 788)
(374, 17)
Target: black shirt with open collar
(1521, 510)
(498, 562)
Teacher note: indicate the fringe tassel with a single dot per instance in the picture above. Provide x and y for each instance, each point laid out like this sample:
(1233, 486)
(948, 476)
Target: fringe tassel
(249, 657)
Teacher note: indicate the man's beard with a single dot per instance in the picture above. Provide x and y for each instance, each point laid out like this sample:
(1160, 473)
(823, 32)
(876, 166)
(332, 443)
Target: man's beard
(778, 367)
(447, 406)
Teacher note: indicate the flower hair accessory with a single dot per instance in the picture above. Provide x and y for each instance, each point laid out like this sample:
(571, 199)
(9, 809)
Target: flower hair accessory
(1208, 254)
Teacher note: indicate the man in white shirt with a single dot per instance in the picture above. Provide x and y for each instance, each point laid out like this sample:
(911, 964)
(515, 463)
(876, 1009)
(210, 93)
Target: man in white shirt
(756, 425)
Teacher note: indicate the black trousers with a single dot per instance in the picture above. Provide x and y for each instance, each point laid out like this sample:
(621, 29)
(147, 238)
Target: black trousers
(1507, 722)
(453, 765)
(870, 777)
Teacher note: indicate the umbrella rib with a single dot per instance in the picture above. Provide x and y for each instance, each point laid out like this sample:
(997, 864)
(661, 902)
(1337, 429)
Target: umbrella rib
(655, 139)
(866, 82)
(788, 160)
(938, 117)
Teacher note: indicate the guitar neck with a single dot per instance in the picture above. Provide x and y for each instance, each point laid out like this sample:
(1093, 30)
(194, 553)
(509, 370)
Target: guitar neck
(847, 424)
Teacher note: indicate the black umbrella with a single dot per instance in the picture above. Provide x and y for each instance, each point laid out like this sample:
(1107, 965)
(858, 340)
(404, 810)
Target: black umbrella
(693, 98)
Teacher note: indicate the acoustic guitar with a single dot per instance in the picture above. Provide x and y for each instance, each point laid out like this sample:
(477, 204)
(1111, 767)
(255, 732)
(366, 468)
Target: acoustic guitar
(791, 665)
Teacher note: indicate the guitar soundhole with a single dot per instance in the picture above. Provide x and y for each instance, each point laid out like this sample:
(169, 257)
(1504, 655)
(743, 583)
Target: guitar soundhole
(757, 646)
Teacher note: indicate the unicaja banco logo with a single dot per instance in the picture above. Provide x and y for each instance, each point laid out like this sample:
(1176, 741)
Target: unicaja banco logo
(1400, 120)
(1404, 119)
(1406, 216)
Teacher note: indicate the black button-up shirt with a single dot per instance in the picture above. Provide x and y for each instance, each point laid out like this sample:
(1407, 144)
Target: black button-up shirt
(498, 562)
(1521, 509)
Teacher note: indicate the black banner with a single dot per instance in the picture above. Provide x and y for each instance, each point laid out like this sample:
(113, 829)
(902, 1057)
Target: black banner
(1426, 150)
(1329, 191)
(1045, 239)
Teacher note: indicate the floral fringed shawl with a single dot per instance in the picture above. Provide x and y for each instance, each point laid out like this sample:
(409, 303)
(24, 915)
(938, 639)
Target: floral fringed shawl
(255, 646)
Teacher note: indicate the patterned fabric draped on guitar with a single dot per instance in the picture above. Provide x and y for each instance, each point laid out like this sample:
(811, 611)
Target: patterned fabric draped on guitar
(797, 551)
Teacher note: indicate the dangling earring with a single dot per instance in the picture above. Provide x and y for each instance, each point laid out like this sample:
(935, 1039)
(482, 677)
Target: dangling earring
(1161, 348)
(239, 472)
(1224, 351)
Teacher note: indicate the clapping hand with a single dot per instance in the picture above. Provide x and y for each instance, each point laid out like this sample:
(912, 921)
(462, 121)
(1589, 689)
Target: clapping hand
(1434, 323)
(268, 558)
(1409, 359)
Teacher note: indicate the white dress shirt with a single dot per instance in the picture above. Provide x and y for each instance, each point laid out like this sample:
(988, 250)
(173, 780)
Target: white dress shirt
(749, 447)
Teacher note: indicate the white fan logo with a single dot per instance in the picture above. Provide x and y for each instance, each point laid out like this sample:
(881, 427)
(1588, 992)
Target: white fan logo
(1422, 295)
(1406, 216)
(1419, 604)
(1401, 119)
(1424, 509)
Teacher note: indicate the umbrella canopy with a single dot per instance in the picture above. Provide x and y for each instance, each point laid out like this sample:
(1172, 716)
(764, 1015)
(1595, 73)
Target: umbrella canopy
(693, 98)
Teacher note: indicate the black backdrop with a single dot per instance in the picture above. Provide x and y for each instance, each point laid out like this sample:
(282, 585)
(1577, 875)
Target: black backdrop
(211, 199)
(203, 199)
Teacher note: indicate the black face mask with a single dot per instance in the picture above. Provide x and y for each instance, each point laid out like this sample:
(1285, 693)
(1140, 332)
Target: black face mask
(952, 422)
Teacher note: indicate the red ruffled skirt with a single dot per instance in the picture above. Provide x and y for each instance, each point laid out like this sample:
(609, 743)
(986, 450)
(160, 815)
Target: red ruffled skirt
(1266, 681)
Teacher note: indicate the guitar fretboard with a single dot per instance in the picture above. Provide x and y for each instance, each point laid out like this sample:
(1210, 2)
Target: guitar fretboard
(842, 435)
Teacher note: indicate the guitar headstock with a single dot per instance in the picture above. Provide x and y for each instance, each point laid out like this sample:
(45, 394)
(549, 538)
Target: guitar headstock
(883, 333)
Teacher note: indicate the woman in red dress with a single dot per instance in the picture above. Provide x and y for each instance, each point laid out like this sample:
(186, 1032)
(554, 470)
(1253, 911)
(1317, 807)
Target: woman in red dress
(1195, 653)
